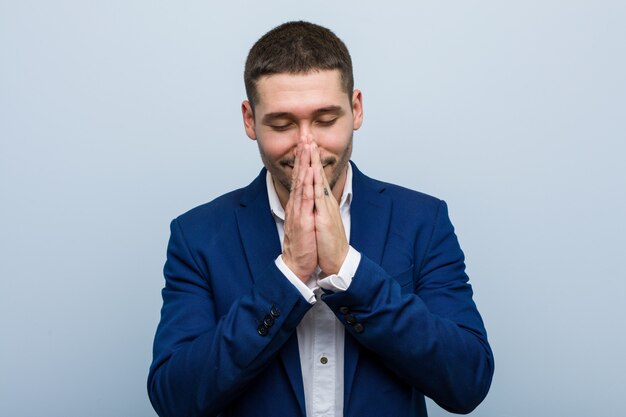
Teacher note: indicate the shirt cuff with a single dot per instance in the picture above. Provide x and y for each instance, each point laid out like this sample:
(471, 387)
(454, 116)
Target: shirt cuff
(306, 292)
(341, 281)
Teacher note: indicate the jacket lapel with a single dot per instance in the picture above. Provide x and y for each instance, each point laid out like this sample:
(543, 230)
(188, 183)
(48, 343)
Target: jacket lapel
(370, 213)
(257, 230)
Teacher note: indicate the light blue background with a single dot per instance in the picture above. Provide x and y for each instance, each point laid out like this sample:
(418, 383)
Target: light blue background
(116, 116)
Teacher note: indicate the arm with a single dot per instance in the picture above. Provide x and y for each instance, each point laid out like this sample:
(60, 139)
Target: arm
(427, 331)
(203, 361)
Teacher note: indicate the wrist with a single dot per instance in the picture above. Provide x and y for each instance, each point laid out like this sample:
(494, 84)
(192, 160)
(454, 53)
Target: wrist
(334, 267)
(302, 274)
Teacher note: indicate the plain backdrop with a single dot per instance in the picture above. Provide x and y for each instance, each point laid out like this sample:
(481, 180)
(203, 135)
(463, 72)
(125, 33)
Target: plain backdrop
(116, 116)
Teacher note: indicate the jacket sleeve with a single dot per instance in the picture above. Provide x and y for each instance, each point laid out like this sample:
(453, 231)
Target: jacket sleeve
(202, 361)
(427, 331)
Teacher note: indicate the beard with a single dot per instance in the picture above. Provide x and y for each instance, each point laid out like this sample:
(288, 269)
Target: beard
(338, 166)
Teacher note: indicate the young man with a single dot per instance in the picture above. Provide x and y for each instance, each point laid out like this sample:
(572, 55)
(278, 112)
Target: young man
(315, 290)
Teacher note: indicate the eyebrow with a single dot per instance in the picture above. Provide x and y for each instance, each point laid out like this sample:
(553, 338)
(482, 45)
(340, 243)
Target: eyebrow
(269, 117)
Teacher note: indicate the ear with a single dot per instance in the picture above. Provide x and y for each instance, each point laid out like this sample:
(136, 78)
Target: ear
(248, 119)
(357, 109)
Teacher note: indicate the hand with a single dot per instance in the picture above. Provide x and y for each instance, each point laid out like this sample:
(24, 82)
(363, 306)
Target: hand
(332, 245)
(299, 245)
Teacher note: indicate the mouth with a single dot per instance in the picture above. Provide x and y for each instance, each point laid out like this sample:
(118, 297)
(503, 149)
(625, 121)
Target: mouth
(290, 165)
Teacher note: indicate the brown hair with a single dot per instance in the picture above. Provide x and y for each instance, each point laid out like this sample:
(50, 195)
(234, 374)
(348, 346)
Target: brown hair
(297, 48)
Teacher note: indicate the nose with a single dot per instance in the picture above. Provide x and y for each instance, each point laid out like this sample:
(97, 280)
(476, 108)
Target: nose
(306, 135)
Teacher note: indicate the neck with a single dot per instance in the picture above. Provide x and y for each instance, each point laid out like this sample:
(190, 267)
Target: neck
(339, 185)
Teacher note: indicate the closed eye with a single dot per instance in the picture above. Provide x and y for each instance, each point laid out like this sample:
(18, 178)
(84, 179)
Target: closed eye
(280, 128)
(327, 122)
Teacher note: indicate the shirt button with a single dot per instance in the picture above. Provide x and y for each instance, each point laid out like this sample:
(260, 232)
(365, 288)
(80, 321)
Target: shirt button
(358, 328)
(324, 360)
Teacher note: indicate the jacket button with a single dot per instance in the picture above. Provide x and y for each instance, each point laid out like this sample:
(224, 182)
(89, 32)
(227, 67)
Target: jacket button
(344, 310)
(262, 329)
(268, 320)
(274, 311)
(358, 328)
(350, 319)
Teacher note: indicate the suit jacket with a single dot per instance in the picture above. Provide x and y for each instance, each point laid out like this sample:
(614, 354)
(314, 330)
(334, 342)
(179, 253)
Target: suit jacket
(411, 326)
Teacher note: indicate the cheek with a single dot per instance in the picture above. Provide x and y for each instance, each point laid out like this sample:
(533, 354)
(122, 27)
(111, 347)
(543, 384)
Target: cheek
(275, 146)
(335, 140)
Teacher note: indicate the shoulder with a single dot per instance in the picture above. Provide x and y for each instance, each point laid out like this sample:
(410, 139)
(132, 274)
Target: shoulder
(223, 209)
(403, 199)
(215, 208)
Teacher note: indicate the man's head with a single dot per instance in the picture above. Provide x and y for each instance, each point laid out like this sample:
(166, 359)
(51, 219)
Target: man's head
(296, 48)
(300, 89)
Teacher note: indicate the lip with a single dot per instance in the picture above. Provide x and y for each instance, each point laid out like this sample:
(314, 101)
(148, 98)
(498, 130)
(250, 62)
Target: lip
(323, 165)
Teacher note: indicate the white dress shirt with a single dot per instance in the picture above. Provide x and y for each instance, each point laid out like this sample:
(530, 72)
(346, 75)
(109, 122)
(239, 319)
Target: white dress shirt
(320, 334)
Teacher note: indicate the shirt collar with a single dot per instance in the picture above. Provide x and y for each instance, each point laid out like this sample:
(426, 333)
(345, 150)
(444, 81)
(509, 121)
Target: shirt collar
(279, 212)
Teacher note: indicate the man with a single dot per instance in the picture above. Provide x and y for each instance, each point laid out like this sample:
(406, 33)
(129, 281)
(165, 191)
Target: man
(315, 290)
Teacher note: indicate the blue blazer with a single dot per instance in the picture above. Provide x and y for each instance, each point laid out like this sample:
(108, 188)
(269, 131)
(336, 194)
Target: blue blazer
(226, 344)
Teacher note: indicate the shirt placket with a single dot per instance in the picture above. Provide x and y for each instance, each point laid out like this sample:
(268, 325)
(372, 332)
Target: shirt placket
(325, 362)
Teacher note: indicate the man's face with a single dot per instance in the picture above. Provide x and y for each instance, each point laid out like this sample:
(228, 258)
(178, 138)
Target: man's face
(309, 107)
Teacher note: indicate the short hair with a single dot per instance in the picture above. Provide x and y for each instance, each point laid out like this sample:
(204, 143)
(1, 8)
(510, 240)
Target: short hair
(297, 48)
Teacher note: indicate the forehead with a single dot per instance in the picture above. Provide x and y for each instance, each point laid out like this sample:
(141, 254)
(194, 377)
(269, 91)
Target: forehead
(300, 93)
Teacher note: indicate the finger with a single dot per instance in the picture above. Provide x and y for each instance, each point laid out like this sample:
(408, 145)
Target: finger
(301, 164)
(295, 169)
(305, 176)
(316, 161)
(322, 189)
(318, 181)
(328, 191)
(308, 194)
(306, 156)
(299, 189)
(294, 182)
